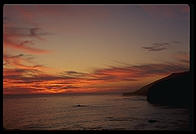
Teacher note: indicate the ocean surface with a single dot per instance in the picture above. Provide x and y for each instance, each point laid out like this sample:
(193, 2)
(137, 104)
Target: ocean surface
(90, 112)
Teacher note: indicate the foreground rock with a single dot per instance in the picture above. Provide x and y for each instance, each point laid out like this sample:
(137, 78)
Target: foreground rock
(174, 90)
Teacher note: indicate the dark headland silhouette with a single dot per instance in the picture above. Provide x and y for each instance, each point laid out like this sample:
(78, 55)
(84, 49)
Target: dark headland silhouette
(173, 90)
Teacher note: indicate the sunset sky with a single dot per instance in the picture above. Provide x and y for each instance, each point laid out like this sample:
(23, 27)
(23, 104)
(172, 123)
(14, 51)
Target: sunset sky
(92, 48)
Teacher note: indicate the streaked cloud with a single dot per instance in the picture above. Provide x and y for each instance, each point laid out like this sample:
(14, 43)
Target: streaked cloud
(157, 46)
(176, 42)
(32, 32)
(75, 74)
(22, 39)
(23, 46)
(73, 80)
(20, 61)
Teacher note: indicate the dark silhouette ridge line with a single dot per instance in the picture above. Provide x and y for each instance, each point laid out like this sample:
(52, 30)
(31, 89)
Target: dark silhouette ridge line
(172, 90)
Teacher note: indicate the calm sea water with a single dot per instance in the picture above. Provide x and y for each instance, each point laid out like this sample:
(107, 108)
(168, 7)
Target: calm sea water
(96, 112)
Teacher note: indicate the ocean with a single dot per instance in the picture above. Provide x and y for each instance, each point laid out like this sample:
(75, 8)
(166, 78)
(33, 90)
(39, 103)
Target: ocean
(90, 112)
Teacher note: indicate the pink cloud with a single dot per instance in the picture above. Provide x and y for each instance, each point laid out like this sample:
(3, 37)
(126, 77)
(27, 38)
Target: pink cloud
(23, 47)
(15, 40)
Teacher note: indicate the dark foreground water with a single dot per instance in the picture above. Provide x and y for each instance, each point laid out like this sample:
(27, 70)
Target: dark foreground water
(90, 112)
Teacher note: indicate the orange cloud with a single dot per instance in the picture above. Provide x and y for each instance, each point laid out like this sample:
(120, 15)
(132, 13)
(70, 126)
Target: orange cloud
(18, 62)
(25, 48)
(72, 81)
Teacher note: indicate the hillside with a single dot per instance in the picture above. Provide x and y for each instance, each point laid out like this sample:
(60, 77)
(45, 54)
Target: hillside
(174, 89)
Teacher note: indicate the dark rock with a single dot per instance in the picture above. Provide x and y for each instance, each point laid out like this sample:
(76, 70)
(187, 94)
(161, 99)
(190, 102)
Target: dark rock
(173, 90)
(152, 121)
(79, 105)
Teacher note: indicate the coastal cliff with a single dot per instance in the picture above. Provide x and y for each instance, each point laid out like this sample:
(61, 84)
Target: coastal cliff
(173, 90)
